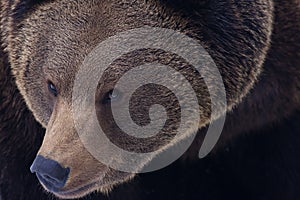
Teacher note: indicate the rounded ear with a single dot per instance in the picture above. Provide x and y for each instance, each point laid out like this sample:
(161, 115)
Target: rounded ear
(14, 9)
(11, 14)
(188, 5)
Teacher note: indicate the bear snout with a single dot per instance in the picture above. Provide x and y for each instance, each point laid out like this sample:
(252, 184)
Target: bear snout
(50, 173)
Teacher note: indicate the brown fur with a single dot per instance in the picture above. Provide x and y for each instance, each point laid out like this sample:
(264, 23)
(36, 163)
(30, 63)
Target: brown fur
(245, 39)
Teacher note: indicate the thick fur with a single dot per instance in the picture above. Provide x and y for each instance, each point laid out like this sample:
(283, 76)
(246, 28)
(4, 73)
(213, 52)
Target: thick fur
(254, 44)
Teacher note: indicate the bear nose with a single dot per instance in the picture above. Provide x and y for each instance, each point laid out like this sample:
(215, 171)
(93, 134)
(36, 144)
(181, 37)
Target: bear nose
(50, 173)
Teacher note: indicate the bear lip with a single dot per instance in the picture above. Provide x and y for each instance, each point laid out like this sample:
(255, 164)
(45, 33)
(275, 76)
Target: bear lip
(77, 192)
(83, 190)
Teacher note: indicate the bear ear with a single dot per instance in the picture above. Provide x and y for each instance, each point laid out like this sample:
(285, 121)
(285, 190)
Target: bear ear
(12, 12)
(188, 4)
(17, 8)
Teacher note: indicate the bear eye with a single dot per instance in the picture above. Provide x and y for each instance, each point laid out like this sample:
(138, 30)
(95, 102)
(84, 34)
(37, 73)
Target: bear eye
(110, 96)
(52, 88)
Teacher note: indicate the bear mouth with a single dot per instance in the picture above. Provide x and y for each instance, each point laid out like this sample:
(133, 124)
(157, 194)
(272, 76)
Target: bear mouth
(77, 192)
(98, 185)
(80, 191)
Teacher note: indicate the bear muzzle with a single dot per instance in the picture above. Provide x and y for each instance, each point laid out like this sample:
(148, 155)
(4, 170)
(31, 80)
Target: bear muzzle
(50, 173)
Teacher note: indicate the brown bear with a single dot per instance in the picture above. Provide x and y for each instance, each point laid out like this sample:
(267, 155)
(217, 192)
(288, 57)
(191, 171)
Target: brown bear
(255, 47)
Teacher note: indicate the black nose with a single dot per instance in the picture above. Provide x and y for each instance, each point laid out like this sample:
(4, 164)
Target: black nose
(50, 173)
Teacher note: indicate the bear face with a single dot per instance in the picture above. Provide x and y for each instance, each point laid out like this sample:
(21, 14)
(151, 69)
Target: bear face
(49, 43)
